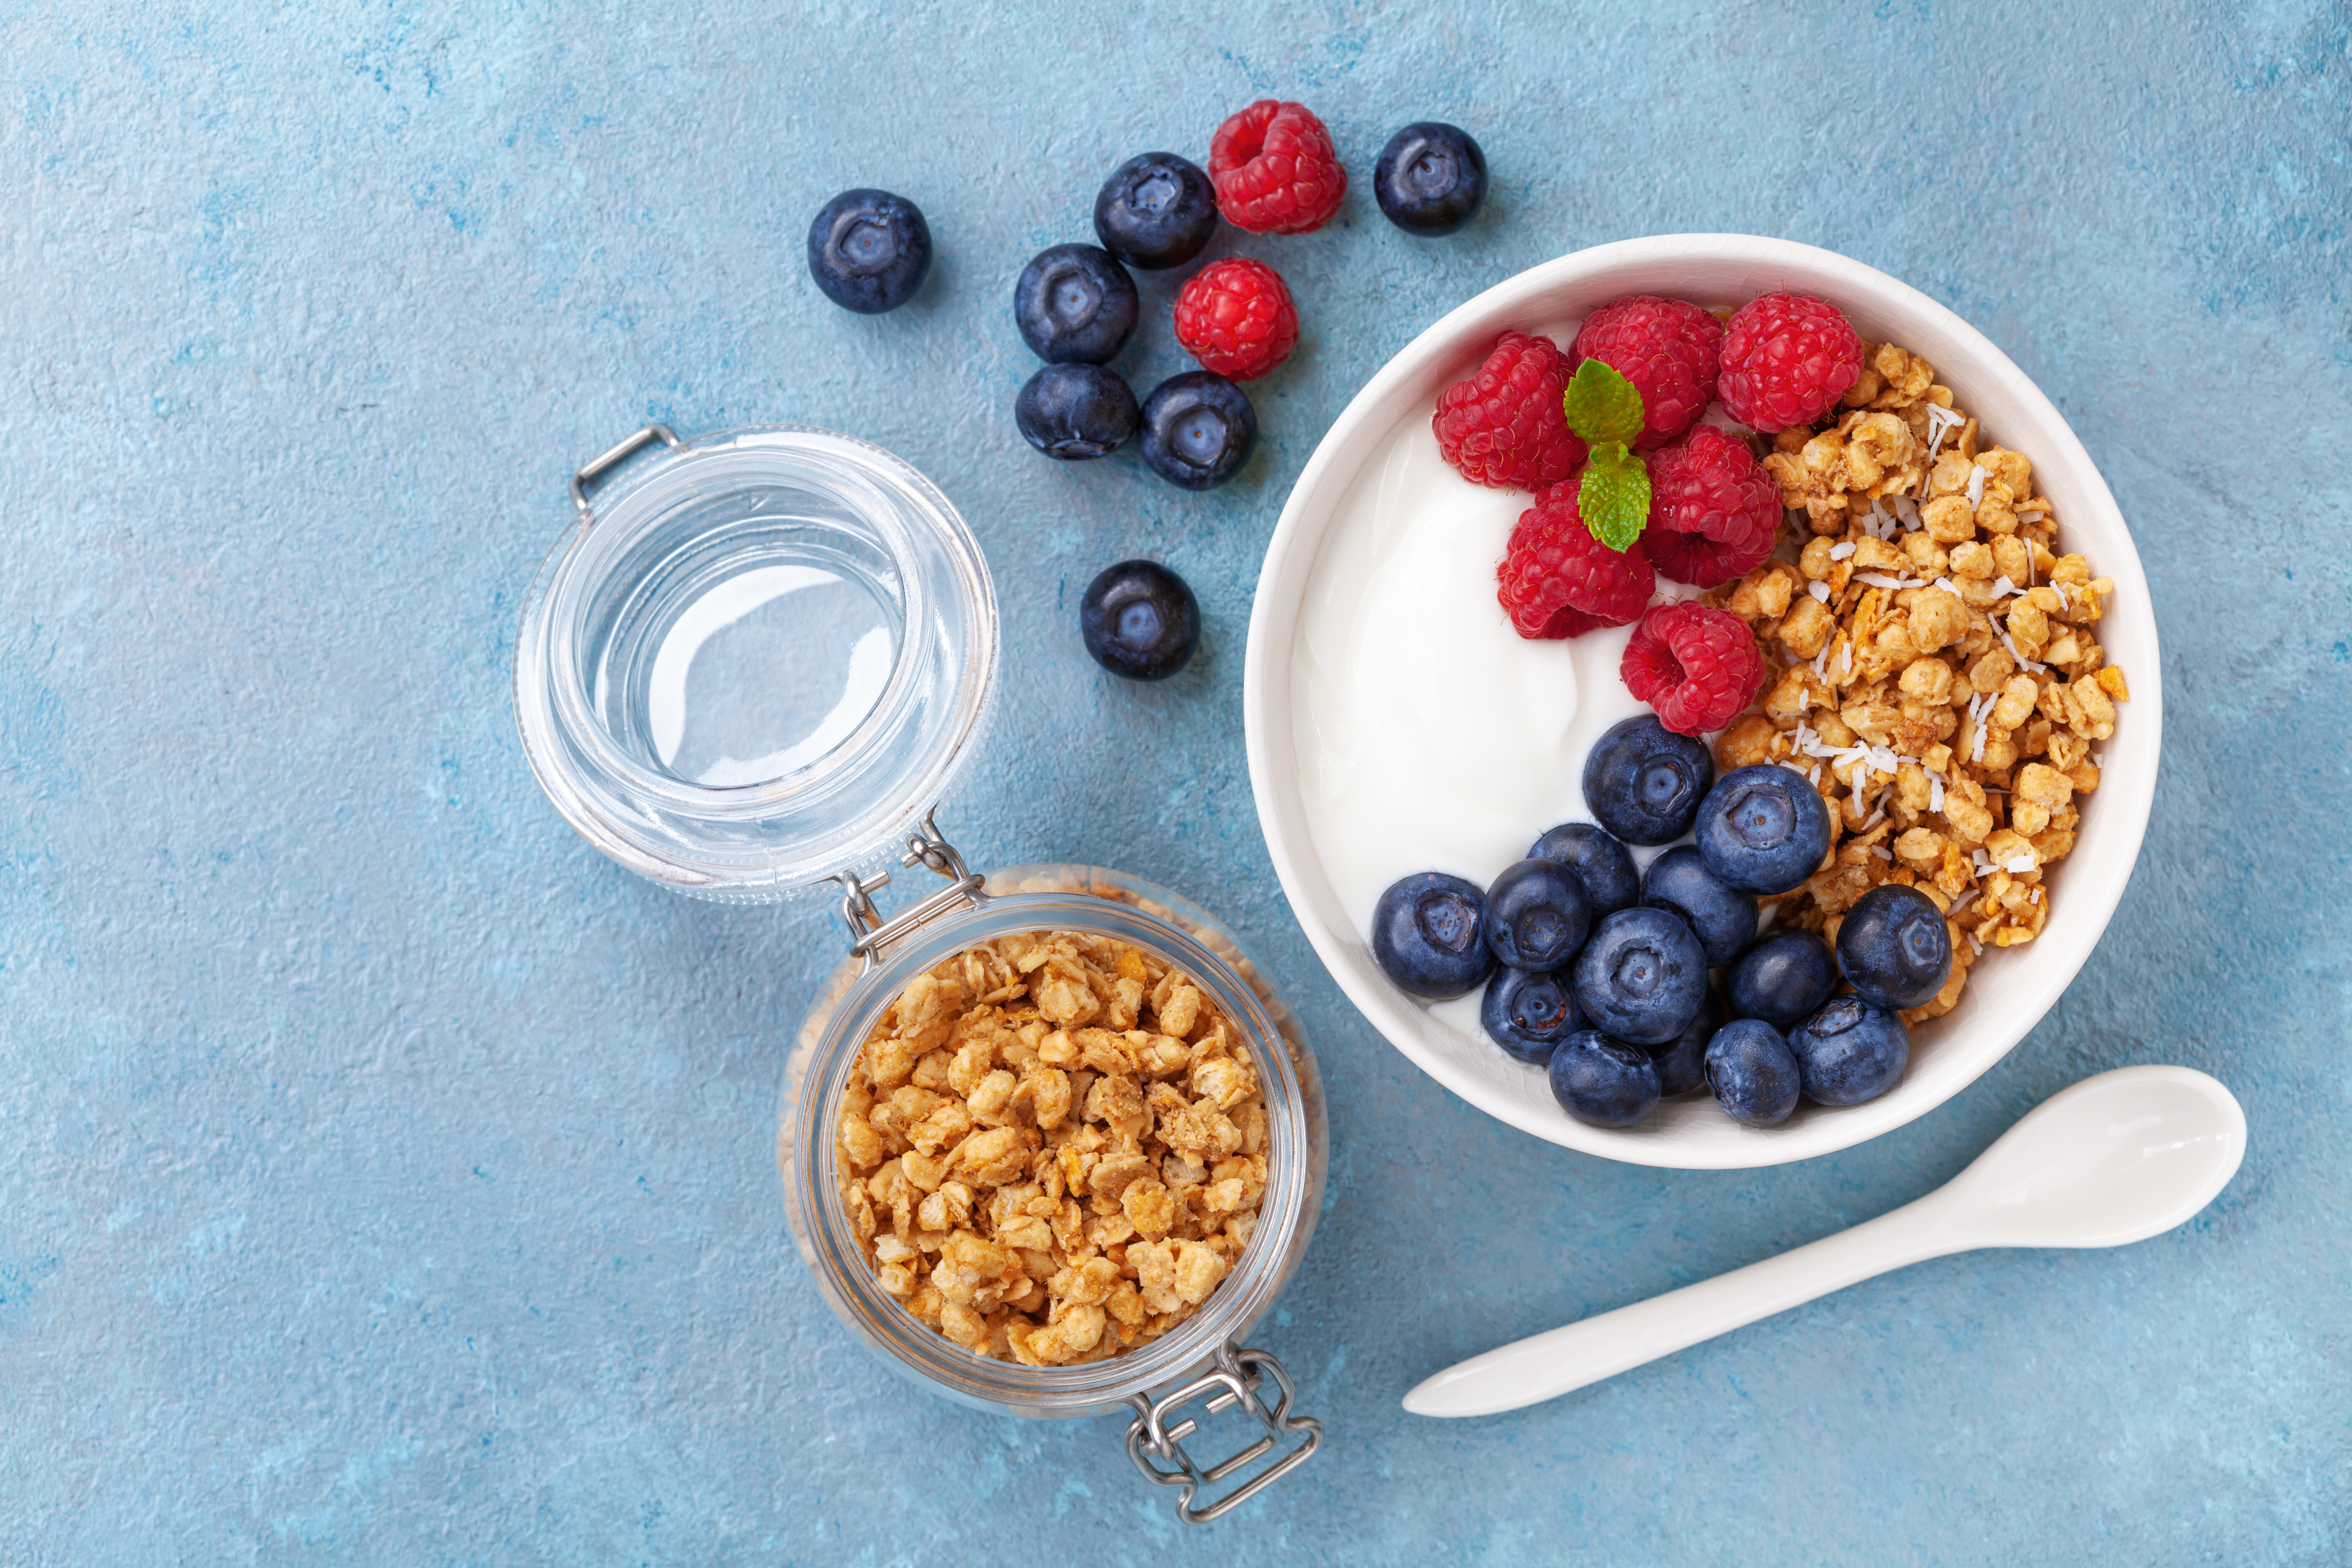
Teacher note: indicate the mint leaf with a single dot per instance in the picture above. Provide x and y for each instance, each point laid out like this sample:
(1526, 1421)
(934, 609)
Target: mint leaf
(1602, 405)
(1614, 498)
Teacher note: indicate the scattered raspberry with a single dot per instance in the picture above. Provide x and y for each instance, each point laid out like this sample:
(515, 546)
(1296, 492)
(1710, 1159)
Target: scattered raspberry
(1275, 170)
(1504, 427)
(1666, 348)
(1235, 317)
(1696, 666)
(1787, 358)
(1558, 581)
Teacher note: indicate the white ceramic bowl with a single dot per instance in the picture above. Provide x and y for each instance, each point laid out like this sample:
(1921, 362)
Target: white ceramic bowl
(2009, 990)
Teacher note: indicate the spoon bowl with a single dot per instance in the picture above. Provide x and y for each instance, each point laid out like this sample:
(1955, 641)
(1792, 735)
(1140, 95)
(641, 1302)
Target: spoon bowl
(2117, 1158)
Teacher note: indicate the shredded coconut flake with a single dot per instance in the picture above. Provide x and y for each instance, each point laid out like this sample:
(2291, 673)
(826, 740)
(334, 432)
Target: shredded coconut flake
(1963, 902)
(1815, 776)
(1977, 478)
(1976, 948)
(2020, 658)
(1880, 580)
(1948, 586)
(1842, 548)
(1880, 850)
(2017, 863)
(1819, 591)
(1935, 794)
(2003, 589)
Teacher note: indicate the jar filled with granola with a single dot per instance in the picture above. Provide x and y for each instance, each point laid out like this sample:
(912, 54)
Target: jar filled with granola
(1051, 1142)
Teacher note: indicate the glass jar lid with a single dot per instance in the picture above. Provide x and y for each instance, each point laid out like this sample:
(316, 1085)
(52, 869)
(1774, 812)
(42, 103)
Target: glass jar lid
(756, 660)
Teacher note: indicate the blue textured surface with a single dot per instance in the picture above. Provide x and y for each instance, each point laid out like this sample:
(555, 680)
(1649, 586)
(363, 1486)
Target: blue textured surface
(385, 1177)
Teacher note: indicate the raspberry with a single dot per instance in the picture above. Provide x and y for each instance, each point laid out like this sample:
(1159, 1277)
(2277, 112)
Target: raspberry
(1714, 511)
(1787, 358)
(1558, 581)
(1701, 561)
(1503, 426)
(1235, 317)
(1667, 349)
(1695, 664)
(1275, 170)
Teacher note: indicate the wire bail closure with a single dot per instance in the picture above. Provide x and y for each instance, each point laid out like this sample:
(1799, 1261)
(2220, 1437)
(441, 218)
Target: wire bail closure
(869, 933)
(1236, 1379)
(604, 462)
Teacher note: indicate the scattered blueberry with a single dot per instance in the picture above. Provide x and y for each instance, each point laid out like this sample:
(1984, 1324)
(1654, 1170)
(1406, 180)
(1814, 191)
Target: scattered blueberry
(1140, 620)
(1682, 1064)
(1072, 411)
(1156, 211)
(1430, 178)
(1725, 921)
(1643, 782)
(1536, 915)
(1604, 865)
(1894, 947)
(1753, 1073)
(1427, 935)
(1763, 829)
(1850, 1051)
(1641, 976)
(1527, 1015)
(1605, 1082)
(1782, 978)
(868, 250)
(1073, 302)
(1198, 429)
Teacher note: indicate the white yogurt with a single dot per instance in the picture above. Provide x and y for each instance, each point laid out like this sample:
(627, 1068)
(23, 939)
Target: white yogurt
(1430, 735)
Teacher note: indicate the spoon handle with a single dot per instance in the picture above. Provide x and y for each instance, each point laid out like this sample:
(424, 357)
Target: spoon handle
(1554, 1362)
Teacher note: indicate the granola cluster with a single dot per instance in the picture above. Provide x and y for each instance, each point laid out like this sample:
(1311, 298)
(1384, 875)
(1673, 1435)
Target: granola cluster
(1935, 669)
(1052, 1147)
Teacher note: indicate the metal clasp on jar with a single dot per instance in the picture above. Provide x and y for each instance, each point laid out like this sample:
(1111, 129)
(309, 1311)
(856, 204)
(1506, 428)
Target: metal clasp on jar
(1236, 1379)
(869, 933)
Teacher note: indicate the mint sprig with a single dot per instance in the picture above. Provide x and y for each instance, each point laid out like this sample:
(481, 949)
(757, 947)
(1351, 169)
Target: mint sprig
(1613, 496)
(1602, 405)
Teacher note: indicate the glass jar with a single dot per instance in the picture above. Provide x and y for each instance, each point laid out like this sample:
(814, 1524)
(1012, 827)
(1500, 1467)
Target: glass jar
(754, 667)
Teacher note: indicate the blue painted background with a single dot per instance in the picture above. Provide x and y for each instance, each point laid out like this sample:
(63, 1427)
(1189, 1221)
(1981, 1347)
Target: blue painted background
(385, 1177)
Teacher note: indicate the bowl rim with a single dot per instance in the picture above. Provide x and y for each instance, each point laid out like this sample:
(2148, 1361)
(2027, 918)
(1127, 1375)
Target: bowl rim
(2126, 795)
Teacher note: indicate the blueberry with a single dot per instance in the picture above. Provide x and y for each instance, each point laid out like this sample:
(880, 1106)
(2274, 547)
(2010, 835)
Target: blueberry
(1682, 1063)
(1894, 947)
(1072, 411)
(1641, 976)
(1605, 1082)
(1427, 935)
(1723, 920)
(1783, 977)
(868, 250)
(1753, 1073)
(1604, 865)
(1074, 303)
(1140, 620)
(1156, 211)
(1430, 178)
(1198, 429)
(1536, 914)
(1850, 1051)
(1763, 829)
(1527, 1015)
(1643, 782)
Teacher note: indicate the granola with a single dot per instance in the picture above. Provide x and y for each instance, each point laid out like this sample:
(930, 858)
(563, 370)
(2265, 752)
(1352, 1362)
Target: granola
(1052, 1148)
(1933, 665)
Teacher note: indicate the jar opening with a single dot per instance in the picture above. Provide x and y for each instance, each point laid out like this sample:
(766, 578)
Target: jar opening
(757, 651)
(763, 654)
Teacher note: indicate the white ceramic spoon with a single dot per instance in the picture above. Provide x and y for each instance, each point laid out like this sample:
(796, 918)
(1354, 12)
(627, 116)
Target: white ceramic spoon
(2119, 1157)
